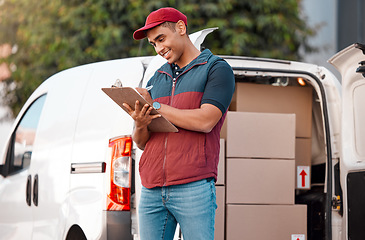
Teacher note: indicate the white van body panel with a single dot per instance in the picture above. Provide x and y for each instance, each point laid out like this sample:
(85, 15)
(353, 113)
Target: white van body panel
(353, 96)
(47, 141)
(51, 154)
(347, 62)
(15, 208)
(99, 120)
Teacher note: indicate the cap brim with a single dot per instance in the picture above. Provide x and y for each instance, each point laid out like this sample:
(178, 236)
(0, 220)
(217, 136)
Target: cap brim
(141, 33)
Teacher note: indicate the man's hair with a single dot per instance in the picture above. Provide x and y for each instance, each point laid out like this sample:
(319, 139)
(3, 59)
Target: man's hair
(171, 25)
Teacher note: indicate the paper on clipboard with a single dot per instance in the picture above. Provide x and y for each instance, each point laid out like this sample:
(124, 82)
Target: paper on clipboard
(129, 95)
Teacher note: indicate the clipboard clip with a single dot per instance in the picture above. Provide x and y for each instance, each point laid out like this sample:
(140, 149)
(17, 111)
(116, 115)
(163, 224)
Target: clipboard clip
(117, 83)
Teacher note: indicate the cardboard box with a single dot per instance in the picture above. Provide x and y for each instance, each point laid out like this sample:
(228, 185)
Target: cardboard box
(303, 155)
(303, 151)
(263, 222)
(259, 135)
(260, 181)
(250, 97)
(220, 213)
(221, 163)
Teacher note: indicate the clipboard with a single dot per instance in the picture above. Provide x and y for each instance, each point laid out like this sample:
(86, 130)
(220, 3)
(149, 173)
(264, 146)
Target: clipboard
(129, 95)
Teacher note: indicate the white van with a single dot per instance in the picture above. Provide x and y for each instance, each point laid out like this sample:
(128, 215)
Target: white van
(69, 169)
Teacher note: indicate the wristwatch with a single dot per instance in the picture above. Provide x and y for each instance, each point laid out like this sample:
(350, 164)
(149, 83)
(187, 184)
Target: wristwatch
(156, 105)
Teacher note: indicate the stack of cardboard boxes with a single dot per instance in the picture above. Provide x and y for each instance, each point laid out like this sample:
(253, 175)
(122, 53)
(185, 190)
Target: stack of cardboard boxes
(291, 99)
(221, 194)
(266, 136)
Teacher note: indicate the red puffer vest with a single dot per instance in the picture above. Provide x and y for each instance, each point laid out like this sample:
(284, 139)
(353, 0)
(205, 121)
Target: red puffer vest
(185, 156)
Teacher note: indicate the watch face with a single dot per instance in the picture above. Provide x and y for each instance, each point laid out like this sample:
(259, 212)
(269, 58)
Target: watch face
(156, 105)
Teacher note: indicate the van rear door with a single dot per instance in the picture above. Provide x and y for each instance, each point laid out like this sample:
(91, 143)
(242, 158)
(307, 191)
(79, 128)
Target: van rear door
(350, 62)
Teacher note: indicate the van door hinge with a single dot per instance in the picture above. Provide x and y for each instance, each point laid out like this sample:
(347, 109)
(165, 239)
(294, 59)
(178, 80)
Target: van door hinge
(336, 203)
(361, 68)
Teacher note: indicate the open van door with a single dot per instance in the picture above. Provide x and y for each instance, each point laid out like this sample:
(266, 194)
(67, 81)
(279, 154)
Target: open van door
(350, 62)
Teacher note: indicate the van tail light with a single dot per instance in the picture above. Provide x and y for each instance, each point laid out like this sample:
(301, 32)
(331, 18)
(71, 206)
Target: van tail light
(119, 197)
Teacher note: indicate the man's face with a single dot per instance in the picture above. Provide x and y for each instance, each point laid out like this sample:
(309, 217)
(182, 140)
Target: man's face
(167, 43)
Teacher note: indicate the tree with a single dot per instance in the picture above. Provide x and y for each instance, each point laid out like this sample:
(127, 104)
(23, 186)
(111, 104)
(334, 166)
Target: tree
(55, 35)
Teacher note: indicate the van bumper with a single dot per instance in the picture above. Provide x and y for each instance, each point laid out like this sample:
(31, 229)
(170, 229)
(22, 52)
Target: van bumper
(118, 225)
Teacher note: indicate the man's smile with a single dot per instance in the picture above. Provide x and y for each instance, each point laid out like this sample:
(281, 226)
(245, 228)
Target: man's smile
(165, 54)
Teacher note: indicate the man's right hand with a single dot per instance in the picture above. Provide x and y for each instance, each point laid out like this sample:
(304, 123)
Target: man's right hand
(142, 119)
(140, 115)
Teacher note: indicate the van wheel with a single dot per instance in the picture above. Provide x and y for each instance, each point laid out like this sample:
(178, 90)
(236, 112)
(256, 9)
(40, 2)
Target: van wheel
(75, 233)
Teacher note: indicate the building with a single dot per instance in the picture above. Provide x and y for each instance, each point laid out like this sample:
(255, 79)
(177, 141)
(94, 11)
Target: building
(339, 23)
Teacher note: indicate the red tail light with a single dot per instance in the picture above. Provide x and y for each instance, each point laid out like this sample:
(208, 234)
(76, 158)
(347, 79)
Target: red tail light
(120, 175)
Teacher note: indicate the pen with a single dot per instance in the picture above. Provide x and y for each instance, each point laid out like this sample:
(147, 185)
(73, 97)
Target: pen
(149, 87)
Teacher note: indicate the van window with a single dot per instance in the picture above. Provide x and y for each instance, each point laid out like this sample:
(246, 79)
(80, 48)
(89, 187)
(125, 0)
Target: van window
(21, 147)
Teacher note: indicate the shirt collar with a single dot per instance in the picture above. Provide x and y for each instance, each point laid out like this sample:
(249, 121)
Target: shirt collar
(202, 58)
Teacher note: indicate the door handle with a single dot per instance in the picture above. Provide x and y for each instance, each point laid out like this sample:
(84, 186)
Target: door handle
(35, 190)
(29, 190)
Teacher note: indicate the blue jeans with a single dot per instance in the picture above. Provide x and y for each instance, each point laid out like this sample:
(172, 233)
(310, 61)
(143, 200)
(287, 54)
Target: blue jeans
(192, 205)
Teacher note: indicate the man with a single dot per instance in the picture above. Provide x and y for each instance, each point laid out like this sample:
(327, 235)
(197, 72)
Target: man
(178, 170)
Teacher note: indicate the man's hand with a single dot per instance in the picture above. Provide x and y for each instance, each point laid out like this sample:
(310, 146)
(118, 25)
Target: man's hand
(142, 116)
(142, 119)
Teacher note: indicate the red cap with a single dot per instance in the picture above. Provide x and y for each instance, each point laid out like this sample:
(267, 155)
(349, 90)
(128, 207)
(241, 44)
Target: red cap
(157, 17)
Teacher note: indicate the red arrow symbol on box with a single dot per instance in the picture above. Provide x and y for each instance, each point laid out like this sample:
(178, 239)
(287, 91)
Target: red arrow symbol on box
(303, 174)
